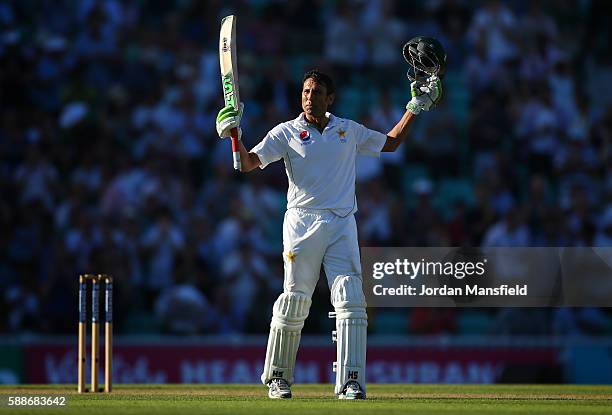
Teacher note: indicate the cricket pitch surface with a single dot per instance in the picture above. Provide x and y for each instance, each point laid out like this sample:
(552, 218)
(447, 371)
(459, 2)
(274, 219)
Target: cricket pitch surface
(319, 399)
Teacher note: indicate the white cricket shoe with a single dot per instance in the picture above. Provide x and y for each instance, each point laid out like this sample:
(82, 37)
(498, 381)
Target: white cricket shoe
(352, 390)
(279, 389)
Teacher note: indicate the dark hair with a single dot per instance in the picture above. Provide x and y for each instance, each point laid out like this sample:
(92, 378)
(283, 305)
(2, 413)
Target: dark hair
(320, 78)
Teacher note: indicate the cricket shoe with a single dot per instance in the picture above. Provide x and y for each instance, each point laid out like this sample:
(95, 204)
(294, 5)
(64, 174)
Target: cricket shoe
(279, 389)
(352, 390)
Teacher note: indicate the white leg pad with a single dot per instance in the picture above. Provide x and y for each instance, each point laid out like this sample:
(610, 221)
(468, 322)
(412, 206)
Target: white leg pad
(290, 311)
(351, 331)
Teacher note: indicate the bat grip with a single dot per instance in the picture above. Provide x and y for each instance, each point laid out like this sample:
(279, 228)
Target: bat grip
(235, 148)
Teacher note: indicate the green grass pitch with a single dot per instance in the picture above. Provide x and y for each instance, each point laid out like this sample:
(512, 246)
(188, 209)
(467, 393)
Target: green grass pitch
(318, 399)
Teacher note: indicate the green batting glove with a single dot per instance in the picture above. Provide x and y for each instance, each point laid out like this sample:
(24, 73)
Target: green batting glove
(227, 119)
(425, 97)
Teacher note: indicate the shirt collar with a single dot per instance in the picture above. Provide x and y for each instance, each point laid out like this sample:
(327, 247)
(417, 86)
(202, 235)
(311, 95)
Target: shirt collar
(301, 122)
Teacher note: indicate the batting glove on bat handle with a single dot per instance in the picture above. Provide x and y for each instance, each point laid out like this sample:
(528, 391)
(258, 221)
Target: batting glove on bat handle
(228, 119)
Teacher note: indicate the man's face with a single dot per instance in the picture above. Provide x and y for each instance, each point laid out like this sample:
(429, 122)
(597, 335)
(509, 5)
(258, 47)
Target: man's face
(315, 99)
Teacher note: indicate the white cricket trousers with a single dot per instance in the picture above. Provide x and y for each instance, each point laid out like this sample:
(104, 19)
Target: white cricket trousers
(313, 237)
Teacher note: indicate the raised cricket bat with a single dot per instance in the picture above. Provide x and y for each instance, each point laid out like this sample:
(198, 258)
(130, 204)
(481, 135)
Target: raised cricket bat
(229, 75)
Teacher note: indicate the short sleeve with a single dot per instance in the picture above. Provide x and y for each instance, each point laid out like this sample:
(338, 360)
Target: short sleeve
(272, 148)
(369, 142)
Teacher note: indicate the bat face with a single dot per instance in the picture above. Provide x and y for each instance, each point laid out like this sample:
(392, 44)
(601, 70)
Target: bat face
(228, 61)
(229, 76)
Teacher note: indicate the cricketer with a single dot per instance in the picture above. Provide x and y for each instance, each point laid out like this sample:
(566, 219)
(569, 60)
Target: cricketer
(319, 151)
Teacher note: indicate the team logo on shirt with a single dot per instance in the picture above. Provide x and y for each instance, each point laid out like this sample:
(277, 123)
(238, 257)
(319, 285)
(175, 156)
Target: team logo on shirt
(305, 137)
(342, 135)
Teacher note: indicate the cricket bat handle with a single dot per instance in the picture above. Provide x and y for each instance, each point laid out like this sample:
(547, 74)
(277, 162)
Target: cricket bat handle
(235, 148)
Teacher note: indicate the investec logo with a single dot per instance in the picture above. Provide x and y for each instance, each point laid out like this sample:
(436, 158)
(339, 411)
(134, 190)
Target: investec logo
(225, 47)
(228, 90)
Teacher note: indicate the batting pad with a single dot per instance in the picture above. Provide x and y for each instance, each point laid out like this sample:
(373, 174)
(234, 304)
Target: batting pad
(290, 311)
(351, 331)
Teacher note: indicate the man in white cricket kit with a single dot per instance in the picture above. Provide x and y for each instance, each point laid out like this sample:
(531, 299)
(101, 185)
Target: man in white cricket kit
(319, 151)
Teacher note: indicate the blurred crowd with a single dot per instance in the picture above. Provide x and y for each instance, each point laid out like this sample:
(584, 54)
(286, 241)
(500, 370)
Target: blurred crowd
(109, 159)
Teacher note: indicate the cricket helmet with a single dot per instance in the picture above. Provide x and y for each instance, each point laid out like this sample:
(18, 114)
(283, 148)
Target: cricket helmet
(426, 57)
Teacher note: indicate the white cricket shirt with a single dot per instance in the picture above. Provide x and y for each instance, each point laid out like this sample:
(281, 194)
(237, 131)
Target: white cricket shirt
(320, 167)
